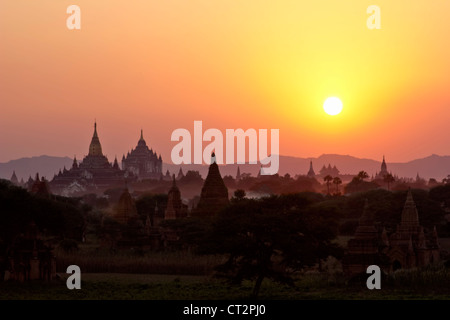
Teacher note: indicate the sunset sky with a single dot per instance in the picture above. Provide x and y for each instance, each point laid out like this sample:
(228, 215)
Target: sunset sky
(160, 65)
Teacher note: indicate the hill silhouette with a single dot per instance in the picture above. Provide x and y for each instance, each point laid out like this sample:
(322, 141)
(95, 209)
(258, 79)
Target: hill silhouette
(47, 166)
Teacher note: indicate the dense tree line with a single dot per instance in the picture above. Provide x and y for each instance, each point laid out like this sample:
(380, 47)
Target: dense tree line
(268, 237)
(272, 236)
(264, 238)
(55, 216)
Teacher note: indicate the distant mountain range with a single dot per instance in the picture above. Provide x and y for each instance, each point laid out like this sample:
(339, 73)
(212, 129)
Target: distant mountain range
(434, 166)
(47, 166)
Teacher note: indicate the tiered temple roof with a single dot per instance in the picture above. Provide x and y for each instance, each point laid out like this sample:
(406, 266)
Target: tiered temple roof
(94, 172)
(143, 162)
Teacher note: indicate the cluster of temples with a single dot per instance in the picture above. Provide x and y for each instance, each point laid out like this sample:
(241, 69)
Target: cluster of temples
(408, 247)
(95, 172)
(213, 198)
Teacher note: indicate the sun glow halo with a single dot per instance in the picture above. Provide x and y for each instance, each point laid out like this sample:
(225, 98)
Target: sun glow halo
(332, 106)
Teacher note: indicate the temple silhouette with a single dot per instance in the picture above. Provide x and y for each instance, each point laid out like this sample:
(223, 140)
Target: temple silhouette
(142, 162)
(95, 173)
(214, 195)
(407, 247)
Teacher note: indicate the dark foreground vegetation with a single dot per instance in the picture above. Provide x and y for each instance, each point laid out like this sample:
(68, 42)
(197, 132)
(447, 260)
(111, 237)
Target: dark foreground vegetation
(278, 247)
(431, 283)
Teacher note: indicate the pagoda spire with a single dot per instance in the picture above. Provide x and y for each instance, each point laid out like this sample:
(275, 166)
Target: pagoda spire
(116, 164)
(311, 172)
(14, 179)
(180, 174)
(174, 203)
(141, 142)
(366, 227)
(95, 148)
(214, 194)
(95, 129)
(75, 163)
(410, 216)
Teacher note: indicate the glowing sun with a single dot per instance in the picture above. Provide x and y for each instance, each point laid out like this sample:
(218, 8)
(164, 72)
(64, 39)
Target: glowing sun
(332, 106)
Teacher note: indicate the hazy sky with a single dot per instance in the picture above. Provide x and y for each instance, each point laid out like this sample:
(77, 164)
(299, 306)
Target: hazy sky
(160, 65)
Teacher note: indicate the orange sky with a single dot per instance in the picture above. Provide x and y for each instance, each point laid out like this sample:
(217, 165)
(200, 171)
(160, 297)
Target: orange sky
(160, 65)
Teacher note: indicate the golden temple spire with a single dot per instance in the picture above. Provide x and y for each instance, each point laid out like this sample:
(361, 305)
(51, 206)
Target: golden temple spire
(95, 149)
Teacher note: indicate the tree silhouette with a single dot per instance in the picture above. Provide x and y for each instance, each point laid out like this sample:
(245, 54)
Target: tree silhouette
(446, 180)
(359, 185)
(362, 175)
(152, 206)
(264, 238)
(58, 216)
(337, 181)
(328, 180)
(389, 178)
(239, 195)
